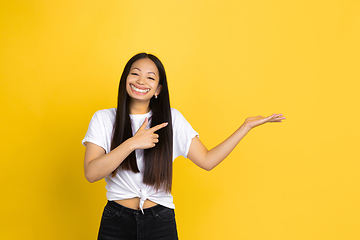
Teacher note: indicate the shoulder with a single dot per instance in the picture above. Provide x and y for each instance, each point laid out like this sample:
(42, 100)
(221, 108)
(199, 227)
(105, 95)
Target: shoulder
(105, 114)
(104, 117)
(175, 112)
(177, 118)
(176, 115)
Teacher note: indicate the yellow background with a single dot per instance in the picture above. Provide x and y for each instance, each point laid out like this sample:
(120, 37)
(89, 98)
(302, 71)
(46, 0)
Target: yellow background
(60, 61)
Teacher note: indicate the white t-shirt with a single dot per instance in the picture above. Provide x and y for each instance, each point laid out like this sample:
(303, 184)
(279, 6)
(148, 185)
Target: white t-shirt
(127, 184)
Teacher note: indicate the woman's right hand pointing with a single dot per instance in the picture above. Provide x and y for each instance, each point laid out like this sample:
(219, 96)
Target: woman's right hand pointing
(147, 138)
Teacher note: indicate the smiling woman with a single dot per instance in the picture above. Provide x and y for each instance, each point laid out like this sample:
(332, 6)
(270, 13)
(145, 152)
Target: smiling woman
(143, 80)
(133, 148)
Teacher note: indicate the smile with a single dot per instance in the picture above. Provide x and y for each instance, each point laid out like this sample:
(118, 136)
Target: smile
(139, 90)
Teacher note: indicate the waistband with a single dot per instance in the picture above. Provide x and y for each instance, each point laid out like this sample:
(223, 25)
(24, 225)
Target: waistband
(118, 207)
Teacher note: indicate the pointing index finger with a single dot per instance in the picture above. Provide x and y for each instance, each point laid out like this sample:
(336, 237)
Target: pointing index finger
(143, 126)
(157, 127)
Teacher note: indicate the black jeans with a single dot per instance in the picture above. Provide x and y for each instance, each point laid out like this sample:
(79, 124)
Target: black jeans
(119, 222)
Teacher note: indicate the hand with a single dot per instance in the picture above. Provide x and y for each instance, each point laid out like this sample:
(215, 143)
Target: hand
(146, 138)
(252, 122)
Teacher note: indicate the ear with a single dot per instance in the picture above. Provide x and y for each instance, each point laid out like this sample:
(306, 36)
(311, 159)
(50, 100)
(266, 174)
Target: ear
(158, 90)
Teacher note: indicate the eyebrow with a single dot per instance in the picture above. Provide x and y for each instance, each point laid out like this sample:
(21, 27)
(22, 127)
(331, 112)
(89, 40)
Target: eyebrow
(140, 70)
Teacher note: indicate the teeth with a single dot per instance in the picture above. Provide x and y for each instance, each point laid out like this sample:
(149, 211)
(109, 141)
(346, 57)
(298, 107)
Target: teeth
(139, 90)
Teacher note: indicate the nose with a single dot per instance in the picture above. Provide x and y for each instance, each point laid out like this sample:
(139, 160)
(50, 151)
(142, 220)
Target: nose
(140, 81)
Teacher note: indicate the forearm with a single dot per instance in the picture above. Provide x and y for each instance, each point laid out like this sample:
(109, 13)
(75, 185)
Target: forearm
(207, 160)
(102, 166)
(217, 154)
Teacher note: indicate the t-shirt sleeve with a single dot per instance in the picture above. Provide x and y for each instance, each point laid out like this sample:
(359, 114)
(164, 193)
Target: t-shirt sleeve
(94, 133)
(183, 134)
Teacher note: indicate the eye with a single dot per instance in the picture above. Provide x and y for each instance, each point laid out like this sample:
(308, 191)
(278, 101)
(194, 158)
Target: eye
(135, 74)
(151, 78)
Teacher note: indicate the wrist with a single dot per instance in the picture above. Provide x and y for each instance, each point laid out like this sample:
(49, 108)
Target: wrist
(131, 144)
(245, 127)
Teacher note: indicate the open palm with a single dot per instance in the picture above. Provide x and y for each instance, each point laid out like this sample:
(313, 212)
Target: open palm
(252, 122)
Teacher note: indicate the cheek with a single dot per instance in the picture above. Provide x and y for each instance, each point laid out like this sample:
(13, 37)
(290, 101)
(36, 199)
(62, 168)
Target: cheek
(127, 87)
(154, 84)
(128, 79)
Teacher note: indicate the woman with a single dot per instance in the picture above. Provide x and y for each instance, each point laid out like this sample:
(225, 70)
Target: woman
(133, 147)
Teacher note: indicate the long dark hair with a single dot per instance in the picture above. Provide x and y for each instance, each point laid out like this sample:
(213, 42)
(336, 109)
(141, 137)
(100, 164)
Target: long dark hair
(158, 160)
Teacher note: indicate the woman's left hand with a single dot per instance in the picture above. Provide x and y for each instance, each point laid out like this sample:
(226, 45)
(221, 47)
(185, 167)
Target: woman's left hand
(252, 122)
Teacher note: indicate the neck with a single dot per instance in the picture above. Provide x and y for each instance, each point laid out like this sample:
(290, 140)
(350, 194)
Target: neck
(137, 107)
